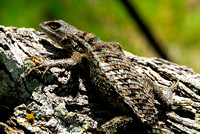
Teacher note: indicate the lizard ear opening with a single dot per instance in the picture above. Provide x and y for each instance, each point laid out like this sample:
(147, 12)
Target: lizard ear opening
(54, 25)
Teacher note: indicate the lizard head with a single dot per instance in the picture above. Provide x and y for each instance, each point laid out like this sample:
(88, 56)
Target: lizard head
(57, 29)
(60, 31)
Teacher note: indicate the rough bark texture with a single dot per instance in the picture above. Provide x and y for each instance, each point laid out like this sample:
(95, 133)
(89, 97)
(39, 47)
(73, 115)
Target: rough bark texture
(62, 101)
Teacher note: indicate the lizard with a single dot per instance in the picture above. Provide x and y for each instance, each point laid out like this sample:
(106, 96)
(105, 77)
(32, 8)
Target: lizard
(113, 74)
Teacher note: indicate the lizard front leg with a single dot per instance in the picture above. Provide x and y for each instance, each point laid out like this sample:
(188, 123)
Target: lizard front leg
(75, 59)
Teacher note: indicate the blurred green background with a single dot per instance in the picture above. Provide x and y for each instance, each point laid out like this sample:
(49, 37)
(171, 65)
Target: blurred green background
(175, 23)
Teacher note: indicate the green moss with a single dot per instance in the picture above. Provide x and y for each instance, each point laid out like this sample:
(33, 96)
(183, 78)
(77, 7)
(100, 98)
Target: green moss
(27, 63)
(1, 58)
(60, 110)
(32, 85)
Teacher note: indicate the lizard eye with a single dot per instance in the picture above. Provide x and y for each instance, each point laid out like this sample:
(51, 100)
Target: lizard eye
(54, 25)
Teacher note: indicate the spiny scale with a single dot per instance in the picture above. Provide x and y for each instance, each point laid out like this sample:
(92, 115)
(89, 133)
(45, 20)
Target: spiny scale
(111, 70)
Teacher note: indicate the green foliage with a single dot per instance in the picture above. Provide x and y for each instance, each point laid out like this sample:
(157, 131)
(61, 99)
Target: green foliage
(176, 23)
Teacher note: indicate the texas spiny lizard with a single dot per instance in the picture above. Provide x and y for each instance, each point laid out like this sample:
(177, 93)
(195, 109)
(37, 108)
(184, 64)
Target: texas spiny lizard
(113, 74)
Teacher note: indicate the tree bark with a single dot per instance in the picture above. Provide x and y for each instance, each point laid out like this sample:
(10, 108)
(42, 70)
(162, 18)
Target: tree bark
(62, 102)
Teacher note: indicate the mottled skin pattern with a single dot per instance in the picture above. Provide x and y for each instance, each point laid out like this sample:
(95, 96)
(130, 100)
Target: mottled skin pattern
(113, 74)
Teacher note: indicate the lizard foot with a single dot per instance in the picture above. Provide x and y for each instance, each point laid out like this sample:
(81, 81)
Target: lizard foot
(39, 62)
(117, 125)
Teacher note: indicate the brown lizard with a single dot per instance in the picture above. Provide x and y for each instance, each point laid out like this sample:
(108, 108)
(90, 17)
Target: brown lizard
(114, 75)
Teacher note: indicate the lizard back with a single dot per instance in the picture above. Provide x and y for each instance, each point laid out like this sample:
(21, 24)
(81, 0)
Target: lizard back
(118, 80)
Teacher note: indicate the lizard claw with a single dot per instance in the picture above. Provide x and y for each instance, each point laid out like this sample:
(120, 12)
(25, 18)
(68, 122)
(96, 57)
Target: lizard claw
(37, 60)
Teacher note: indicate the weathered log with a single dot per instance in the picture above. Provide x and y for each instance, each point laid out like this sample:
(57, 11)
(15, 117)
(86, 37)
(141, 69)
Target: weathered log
(64, 100)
